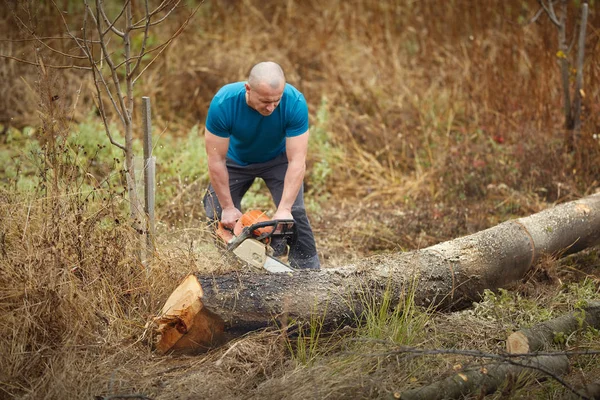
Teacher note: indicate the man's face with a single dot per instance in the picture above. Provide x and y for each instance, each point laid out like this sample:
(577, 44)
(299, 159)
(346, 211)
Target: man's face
(263, 98)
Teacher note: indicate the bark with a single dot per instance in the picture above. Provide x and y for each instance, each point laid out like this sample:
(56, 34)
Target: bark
(489, 378)
(541, 336)
(449, 275)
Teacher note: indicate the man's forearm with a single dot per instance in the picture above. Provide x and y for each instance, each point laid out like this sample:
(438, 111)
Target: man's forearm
(291, 184)
(219, 178)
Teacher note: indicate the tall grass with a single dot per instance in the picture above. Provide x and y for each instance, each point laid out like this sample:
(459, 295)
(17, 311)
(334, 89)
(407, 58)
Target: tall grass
(310, 343)
(394, 317)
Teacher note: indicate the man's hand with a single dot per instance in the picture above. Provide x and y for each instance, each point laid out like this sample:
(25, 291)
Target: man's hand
(229, 217)
(282, 215)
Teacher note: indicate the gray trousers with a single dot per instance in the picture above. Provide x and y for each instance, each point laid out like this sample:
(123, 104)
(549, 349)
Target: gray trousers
(303, 254)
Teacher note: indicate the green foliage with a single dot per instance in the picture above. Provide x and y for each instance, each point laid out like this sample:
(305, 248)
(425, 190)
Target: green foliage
(325, 154)
(93, 151)
(577, 294)
(397, 319)
(180, 164)
(308, 345)
(560, 338)
(510, 309)
(85, 157)
(19, 157)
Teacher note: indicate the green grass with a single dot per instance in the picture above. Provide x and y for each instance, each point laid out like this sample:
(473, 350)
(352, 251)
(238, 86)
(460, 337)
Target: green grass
(309, 345)
(392, 317)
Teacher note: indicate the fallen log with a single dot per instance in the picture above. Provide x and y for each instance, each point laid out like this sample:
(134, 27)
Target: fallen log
(448, 275)
(541, 336)
(488, 378)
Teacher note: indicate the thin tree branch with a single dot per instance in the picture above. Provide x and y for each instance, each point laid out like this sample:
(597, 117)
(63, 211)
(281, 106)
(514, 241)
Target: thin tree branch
(573, 38)
(95, 73)
(87, 51)
(551, 7)
(152, 50)
(550, 11)
(535, 17)
(158, 9)
(98, 76)
(168, 42)
(91, 13)
(25, 27)
(111, 25)
(44, 38)
(144, 41)
(505, 357)
(579, 77)
(45, 65)
(123, 108)
(160, 20)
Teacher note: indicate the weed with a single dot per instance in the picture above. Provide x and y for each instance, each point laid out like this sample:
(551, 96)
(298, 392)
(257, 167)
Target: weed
(309, 343)
(510, 310)
(394, 317)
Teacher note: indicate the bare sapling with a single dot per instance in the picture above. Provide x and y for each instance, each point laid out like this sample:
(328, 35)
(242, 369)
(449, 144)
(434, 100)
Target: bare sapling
(115, 48)
(571, 105)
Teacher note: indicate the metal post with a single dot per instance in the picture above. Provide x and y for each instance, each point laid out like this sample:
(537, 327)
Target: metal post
(149, 176)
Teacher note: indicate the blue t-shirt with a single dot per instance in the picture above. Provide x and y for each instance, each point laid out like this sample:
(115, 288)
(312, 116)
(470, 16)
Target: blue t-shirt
(254, 138)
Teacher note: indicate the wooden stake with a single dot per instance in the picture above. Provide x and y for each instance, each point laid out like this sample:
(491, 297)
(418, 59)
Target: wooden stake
(149, 176)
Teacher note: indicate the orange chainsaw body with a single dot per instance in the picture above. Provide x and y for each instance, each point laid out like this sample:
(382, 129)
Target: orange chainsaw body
(248, 219)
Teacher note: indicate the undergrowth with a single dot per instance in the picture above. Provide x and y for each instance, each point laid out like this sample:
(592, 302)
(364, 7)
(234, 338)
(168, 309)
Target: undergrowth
(429, 120)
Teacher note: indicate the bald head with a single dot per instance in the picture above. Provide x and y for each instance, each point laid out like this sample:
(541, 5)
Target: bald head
(268, 73)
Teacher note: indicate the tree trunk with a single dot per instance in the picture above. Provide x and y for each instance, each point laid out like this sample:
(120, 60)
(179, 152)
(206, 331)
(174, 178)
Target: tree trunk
(543, 335)
(488, 378)
(449, 275)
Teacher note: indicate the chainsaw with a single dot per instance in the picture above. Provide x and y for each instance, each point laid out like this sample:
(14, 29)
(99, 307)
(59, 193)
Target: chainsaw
(259, 241)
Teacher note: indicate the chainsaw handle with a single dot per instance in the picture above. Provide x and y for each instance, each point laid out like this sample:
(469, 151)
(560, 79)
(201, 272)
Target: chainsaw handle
(277, 231)
(278, 225)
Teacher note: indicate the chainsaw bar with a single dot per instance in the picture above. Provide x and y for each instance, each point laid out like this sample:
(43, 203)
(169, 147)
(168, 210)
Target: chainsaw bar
(252, 243)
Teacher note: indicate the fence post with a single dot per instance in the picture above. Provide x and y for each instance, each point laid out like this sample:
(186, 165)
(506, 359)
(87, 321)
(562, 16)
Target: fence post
(149, 176)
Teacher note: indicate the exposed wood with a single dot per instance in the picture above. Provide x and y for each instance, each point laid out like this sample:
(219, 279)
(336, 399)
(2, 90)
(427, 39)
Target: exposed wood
(184, 323)
(541, 336)
(448, 275)
(488, 378)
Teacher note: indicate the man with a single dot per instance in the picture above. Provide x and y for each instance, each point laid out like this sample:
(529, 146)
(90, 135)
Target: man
(259, 129)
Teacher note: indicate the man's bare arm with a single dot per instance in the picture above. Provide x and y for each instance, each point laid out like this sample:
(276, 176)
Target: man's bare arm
(216, 150)
(296, 149)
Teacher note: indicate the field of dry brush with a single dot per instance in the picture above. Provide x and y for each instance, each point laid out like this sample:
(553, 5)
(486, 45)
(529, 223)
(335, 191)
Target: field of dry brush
(429, 121)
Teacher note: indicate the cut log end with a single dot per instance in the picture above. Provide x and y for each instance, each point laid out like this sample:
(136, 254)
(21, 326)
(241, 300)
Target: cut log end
(185, 325)
(517, 343)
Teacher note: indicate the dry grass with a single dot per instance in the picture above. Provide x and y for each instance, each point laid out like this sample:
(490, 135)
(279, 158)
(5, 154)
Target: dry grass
(447, 116)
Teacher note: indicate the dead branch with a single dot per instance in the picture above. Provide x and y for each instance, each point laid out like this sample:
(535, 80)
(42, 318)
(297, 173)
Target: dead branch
(144, 41)
(535, 17)
(36, 64)
(164, 4)
(171, 39)
(489, 375)
(550, 11)
(542, 335)
(111, 25)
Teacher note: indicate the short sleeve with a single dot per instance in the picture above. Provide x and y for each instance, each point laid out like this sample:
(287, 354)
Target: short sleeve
(297, 122)
(216, 121)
